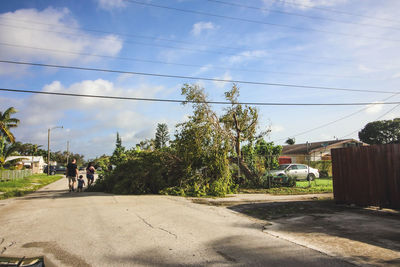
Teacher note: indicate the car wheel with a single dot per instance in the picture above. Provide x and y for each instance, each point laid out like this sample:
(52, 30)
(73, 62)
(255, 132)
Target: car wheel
(310, 177)
(52, 173)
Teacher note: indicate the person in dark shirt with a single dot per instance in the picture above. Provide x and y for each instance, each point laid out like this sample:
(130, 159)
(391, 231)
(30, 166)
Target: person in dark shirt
(90, 173)
(72, 174)
(81, 183)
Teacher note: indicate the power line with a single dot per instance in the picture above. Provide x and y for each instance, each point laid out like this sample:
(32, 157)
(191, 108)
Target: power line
(171, 63)
(198, 50)
(334, 121)
(258, 21)
(130, 35)
(188, 101)
(335, 11)
(301, 15)
(380, 117)
(198, 78)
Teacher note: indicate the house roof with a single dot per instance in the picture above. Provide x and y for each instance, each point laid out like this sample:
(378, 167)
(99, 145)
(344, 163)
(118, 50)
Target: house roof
(26, 159)
(302, 148)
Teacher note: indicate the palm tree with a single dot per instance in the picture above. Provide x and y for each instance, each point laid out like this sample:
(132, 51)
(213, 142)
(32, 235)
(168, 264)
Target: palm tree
(6, 122)
(7, 150)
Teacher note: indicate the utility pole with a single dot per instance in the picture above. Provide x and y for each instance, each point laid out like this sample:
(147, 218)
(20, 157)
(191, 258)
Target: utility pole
(308, 164)
(238, 163)
(48, 147)
(48, 151)
(67, 151)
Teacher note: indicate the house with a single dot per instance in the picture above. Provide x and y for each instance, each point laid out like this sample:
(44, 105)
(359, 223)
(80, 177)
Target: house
(35, 162)
(299, 153)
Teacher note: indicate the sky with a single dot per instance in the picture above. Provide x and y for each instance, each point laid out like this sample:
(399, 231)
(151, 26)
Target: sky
(318, 43)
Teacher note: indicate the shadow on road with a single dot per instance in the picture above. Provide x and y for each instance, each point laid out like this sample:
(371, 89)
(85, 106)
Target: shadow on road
(369, 226)
(64, 193)
(233, 251)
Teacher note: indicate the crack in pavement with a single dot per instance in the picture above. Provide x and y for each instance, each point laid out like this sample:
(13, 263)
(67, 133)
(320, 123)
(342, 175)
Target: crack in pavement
(6, 247)
(151, 226)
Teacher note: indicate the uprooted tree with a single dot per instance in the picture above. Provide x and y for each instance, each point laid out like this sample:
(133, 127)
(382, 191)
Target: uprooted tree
(203, 157)
(240, 124)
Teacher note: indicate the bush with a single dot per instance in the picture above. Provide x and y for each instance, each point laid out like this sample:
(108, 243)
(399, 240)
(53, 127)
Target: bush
(324, 167)
(145, 173)
(162, 172)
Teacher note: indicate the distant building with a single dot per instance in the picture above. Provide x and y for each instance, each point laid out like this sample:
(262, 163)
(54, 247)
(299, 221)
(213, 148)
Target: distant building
(299, 153)
(36, 163)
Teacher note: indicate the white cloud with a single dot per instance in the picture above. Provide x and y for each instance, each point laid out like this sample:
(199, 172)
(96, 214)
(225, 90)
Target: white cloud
(201, 26)
(305, 4)
(277, 128)
(365, 69)
(396, 75)
(226, 76)
(49, 30)
(111, 4)
(87, 118)
(374, 108)
(247, 55)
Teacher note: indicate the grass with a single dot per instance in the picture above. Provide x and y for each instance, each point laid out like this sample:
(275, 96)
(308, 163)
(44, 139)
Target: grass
(23, 186)
(323, 185)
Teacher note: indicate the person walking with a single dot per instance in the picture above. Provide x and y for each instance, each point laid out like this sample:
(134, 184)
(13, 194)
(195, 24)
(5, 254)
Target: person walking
(72, 174)
(81, 183)
(90, 173)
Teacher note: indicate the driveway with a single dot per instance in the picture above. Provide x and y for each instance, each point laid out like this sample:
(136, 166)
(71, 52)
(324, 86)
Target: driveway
(96, 229)
(363, 236)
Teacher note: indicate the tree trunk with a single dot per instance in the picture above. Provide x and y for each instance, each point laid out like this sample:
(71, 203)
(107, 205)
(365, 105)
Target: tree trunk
(246, 171)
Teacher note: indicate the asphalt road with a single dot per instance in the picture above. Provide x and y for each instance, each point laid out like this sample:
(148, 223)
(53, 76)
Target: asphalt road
(95, 229)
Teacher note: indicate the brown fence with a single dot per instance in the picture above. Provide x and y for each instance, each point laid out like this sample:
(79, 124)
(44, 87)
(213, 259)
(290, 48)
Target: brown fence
(367, 175)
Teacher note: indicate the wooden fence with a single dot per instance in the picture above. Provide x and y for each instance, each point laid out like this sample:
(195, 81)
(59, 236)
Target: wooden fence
(367, 175)
(14, 174)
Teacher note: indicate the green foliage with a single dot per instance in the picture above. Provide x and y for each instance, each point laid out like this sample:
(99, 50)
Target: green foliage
(162, 136)
(290, 141)
(20, 187)
(146, 172)
(198, 161)
(6, 122)
(119, 156)
(6, 149)
(261, 157)
(324, 167)
(144, 145)
(317, 186)
(203, 148)
(103, 162)
(61, 157)
(381, 132)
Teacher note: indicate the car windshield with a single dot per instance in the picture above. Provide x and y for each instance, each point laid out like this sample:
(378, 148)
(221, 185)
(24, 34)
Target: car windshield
(282, 167)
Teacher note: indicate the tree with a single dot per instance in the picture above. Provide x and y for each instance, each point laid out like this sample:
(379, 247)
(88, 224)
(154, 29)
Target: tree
(146, 145)
(290, 141)
(261, 156)
(381, 132)
(202, 147)
(119, 155)
(6, 150)
(6, 122)
(162, 136)
(240, 124)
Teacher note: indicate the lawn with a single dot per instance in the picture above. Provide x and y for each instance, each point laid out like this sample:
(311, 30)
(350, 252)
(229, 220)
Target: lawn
(323, 185)
(20, 187)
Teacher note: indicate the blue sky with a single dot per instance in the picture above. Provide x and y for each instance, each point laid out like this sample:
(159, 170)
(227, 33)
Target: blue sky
(361, 53)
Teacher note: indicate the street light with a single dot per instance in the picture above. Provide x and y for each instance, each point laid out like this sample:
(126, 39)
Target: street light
(48, 147)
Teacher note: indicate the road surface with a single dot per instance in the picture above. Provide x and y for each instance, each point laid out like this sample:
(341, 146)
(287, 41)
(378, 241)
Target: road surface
(96, 229)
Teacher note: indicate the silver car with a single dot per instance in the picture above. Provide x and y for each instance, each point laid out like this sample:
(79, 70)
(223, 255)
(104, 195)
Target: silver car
(297, 171)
